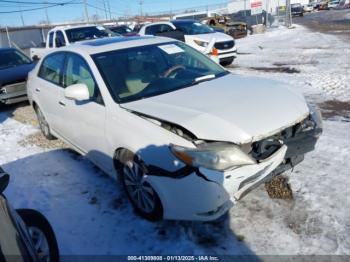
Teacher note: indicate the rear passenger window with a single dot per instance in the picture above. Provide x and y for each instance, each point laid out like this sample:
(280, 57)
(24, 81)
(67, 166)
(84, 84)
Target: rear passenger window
(52, 67)
(153, 29)
(51, 39)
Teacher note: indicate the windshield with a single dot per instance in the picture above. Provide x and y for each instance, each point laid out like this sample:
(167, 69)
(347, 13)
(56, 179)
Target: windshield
(295, 5)
(193, 28)
(121, 30)
(11, 58)
(87, 33)
(140, 72)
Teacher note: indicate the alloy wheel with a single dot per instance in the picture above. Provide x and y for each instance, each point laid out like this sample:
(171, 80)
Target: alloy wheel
(43, 124)
(138, 189)
(41, 244)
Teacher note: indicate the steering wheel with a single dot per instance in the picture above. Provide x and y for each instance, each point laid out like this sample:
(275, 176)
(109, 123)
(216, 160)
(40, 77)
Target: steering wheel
(172, 69)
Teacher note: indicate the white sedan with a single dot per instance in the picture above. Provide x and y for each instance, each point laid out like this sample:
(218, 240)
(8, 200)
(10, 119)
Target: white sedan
(186, 138)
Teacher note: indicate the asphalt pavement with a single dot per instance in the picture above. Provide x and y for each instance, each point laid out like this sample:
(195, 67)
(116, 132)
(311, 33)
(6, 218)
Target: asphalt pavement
(327, 21)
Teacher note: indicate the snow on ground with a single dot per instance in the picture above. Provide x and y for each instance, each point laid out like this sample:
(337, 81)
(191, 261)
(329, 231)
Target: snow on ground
(91, 215)
(323, 60)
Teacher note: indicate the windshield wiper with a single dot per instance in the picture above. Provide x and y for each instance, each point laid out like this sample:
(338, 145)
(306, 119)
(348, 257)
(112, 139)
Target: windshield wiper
(203, 78)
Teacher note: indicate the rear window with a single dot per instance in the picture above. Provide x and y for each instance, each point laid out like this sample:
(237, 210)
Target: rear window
(87, 33)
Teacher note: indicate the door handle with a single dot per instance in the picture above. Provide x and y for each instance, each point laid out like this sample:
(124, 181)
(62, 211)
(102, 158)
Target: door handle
(37, 89)
(62, 103)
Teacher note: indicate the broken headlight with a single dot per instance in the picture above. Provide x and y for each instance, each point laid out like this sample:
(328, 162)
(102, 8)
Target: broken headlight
(217, 156)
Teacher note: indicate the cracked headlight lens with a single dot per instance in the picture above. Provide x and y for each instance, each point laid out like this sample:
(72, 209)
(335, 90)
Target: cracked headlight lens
(216, 156)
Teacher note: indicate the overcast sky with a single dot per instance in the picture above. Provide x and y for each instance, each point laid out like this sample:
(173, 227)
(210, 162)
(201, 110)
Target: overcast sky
(75, 9)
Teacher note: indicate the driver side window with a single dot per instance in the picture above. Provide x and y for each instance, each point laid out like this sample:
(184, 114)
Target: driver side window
(77, 71)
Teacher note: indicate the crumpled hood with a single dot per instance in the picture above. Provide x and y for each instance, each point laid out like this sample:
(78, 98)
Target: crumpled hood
(231, 108)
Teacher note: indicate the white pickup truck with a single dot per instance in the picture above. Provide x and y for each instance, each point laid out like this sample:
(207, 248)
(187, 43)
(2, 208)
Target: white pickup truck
(67, 35)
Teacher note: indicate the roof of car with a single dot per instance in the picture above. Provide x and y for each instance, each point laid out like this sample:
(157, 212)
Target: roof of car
(114, 43)
(65, 27)
(183, 21)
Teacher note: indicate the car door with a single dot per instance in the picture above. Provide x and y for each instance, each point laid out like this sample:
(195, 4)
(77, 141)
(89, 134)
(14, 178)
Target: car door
(85, 120)
(50, 92)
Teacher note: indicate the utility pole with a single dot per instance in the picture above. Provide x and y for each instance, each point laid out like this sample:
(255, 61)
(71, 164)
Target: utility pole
(46, 13)
(20, 9)
(105, 8)
(86, 12)
(141, 11)
(109, 10)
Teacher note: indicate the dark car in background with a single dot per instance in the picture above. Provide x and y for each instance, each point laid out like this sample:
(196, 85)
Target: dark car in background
(25, 234)
(297, 9)
(123, 30)
(14, 68)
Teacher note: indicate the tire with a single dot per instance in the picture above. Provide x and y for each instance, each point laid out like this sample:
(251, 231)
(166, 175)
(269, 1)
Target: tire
(39, 227)
(44, 126)
(142, 196)
(227, 62)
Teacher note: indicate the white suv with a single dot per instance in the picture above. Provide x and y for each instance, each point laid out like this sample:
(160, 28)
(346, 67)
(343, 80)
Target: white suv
(219, 46)
(187, 138)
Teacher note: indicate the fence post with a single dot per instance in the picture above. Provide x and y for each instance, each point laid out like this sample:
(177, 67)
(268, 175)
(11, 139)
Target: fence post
(8, 36)
(288, 14)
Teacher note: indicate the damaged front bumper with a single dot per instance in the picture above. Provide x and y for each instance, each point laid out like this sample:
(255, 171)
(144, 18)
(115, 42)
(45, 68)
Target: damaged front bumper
(207, 194)
(204, 194)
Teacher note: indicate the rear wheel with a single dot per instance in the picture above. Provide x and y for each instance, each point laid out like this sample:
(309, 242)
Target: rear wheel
(41, 234)
(44, 126)
(140, 193)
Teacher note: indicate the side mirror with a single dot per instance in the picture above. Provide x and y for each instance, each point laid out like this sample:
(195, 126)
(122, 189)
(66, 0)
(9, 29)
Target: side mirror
(4, 180)
(35, 58)
(78, 92)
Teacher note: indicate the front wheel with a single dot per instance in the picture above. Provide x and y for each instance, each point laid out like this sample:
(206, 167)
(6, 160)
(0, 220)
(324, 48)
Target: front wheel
(140, 193)
(43, 124)
(41, 234)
